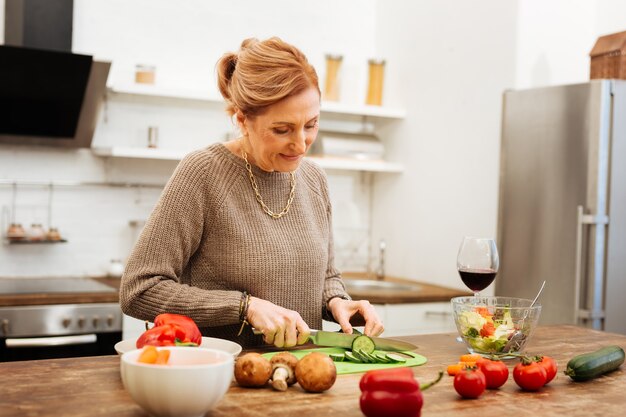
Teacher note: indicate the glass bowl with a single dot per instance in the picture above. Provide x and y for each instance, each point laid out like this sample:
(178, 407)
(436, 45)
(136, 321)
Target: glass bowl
(495, 325)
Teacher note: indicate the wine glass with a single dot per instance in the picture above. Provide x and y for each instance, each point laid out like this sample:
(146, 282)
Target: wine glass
(477, 263)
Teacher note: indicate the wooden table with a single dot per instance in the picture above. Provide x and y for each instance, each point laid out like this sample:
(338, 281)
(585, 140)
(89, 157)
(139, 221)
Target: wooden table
(92, 387)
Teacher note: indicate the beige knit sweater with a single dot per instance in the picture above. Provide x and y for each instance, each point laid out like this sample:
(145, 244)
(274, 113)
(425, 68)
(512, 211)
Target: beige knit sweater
(208, 240)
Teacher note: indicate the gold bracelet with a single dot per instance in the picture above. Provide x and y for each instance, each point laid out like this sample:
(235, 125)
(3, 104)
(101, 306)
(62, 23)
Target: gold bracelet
(243, 311)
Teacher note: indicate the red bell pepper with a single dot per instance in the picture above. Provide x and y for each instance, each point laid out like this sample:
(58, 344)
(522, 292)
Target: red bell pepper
(392, 392)
(192, 332)
(171, 330)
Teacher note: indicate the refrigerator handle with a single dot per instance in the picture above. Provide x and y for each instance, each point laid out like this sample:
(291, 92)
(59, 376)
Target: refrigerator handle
(581, 220)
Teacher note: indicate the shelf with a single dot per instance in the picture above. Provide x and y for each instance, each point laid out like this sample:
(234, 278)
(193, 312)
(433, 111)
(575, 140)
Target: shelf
(141, 153)
(199, 95)
(324, 162)
(33, 242)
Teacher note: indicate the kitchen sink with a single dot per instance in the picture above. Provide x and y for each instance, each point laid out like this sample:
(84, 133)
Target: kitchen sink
(361, 285)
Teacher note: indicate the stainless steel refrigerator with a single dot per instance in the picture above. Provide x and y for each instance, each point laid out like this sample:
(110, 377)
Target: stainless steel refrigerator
(562, 202)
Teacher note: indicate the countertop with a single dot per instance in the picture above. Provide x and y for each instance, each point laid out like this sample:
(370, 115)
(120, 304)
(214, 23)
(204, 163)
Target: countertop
(426, 293)
(84, 387)
(64, 298)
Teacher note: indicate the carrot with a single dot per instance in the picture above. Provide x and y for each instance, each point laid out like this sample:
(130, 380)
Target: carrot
(163, 356)
(148, 355)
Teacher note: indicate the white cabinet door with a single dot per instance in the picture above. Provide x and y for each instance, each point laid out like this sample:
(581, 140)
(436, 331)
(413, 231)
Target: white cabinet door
(331, 326)
(418, 318)
(132, 328)
(409, 319)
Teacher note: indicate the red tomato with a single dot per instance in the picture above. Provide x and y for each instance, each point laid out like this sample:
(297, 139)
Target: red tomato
(530, 377)
(496, 372)
(549, 365)
(470, 383)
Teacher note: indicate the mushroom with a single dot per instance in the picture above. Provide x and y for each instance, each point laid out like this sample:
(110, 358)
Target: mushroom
(283, 370)
(252, 370)
(316, 372)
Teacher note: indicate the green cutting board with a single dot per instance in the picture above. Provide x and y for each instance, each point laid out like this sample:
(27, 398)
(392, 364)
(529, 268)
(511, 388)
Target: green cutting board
(413, 359)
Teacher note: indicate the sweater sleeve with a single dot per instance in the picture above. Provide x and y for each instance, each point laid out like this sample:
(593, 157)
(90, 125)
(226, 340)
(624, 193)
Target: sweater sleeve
(151, 283)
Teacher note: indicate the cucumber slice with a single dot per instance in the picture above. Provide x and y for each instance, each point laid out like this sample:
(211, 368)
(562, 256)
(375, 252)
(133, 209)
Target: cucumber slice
(337, 357)
(372, 357)
(382, 358)
(362, 356)
(395, 358)
(350, 357)
(363, 343)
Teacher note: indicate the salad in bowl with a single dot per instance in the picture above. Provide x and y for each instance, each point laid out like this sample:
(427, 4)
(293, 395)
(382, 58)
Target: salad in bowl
(495, 325)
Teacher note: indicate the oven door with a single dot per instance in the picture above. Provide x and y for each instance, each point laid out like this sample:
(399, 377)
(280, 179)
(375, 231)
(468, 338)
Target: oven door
(68, 346)
(59, 330)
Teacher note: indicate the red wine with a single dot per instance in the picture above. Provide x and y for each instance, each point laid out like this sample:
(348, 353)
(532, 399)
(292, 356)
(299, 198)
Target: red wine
(477, 279)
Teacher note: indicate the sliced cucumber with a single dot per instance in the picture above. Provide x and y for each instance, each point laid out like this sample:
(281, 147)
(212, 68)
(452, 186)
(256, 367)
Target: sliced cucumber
(395, 358)
(362, 356)
(337, 357)
(372, 357)
(382, 358)
(350, 357)
(363, 343)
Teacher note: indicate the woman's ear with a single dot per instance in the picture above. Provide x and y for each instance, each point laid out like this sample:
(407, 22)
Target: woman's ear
(242, 122)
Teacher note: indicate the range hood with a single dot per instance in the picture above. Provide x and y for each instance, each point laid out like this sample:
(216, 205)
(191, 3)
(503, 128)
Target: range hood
(48, 95)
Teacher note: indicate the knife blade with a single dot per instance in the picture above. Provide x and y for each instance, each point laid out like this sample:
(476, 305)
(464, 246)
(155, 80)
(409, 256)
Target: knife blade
(344, 340)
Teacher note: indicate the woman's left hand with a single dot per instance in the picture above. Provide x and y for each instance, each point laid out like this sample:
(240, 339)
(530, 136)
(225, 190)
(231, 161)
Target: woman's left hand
(342, 310)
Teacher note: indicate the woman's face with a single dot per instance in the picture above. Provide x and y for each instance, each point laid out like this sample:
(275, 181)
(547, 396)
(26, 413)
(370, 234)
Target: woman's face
(278, 139)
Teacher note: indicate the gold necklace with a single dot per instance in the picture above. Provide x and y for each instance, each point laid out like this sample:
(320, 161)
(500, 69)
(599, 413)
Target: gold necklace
(257, 194)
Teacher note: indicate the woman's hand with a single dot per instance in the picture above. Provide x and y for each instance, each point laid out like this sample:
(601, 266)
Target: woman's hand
(280, 327)
(342, 310)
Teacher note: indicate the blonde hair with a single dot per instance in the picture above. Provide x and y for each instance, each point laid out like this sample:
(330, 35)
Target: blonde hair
(262, 73)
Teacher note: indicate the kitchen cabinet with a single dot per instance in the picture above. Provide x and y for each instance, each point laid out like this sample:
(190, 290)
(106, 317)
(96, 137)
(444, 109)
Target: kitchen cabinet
(411, 318)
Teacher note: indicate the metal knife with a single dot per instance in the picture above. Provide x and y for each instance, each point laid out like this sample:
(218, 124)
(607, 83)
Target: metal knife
(344, 340)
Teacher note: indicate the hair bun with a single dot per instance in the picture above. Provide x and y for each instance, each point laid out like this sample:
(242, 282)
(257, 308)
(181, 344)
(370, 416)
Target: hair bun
(247, 43)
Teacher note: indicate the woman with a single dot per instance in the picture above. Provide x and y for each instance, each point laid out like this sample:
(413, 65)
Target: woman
(242, 232)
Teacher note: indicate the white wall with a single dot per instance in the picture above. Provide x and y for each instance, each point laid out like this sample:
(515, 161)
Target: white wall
(184, 41)
(462, 55)
(447, 64)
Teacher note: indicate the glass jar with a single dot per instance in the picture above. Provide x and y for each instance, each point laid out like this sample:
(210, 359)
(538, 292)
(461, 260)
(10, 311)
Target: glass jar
(36, 232)
(53, 234)
(375, 85)
(145, 74)
(331, 86)
(16, 232)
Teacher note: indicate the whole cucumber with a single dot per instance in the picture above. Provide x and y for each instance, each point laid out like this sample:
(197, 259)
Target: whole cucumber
(591, 365)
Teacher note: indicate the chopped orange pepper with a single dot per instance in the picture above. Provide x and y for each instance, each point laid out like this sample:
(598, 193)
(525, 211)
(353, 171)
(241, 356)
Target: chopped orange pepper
(488, 330)
(163, 356)
(454, 369)
(484, 311)
(148, 355)
(470, 358)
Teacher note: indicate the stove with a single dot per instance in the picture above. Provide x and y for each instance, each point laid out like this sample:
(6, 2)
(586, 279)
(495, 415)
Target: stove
(57, 330)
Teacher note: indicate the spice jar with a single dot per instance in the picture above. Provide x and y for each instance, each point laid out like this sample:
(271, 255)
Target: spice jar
(36, 232)
(331, 86)
(53, 234)
(16, 232)
(375, 85)
(145, 74)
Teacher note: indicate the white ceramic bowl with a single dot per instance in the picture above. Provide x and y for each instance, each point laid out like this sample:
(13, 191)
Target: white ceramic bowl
(207, 342)
(192, 383)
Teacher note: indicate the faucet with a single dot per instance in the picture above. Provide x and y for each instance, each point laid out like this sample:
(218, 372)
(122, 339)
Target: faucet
(380, 271)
